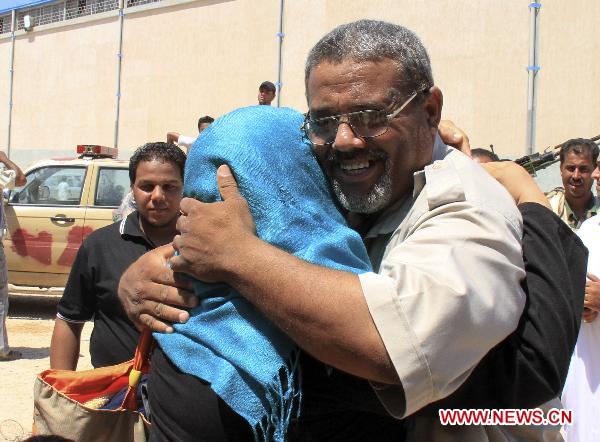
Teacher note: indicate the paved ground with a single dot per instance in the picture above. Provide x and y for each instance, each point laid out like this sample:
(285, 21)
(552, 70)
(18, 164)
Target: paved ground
(30, 325)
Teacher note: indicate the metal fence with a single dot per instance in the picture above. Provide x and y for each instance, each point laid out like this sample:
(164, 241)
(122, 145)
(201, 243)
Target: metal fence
(64, 10)
(5, 23)
(140, 2)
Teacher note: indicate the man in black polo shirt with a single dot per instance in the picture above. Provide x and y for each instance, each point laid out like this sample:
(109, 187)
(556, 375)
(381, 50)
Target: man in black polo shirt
(156, 175)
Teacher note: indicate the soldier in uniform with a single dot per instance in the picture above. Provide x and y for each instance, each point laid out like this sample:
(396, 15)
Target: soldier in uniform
(575, 202)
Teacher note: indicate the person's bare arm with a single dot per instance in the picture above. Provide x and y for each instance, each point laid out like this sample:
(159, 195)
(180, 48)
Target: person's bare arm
(64, 347)
(20, 179)
(310, 303)
(513, 177)
(313, 304)
(518, 182)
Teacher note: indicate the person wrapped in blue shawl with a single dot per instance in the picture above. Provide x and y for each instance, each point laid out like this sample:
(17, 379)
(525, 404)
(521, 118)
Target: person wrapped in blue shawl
(248, 361)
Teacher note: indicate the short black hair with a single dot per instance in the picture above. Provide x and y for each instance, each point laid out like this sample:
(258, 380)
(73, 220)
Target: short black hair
(163, 152)
(579, 146)
(480, 152)
(267, 85)
(205, 119)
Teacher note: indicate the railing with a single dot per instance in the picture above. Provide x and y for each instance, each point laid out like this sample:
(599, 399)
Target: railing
(64, 10)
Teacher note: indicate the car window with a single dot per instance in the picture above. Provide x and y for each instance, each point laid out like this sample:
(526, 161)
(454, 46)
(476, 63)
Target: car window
(52, 185)
(112, 186)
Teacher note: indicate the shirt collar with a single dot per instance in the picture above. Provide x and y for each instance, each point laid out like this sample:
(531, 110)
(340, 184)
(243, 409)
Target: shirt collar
(592, 209)
(391, 218)
(130, 226)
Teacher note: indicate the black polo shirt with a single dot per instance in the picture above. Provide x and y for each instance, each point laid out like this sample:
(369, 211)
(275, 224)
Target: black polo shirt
(91, 290)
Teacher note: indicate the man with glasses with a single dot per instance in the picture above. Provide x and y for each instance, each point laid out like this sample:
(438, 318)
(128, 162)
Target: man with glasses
(444, 239)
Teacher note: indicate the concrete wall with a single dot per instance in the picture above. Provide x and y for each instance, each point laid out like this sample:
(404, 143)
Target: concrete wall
(4, 90)
(184, 59)
(64, 88)
(197, 59)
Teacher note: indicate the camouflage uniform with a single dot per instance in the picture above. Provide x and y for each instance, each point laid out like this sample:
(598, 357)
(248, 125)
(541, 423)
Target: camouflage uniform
(560, 206)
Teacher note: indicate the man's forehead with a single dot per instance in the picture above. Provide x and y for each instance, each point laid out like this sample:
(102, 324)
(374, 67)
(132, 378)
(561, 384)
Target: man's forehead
(352, 85)
(573, 158)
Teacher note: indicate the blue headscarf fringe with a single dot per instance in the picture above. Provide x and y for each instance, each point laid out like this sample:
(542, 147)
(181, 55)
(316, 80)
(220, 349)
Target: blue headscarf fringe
(285, 395)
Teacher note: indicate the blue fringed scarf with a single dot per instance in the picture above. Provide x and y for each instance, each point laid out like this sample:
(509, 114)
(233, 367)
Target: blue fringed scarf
(248, 361)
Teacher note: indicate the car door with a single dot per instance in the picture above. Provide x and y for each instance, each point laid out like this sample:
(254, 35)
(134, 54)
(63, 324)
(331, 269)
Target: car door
(45, 222)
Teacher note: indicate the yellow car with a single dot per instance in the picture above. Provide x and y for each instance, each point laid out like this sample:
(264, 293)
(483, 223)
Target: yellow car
(63, 201)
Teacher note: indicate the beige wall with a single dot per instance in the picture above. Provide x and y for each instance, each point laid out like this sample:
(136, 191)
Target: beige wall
(64, 88)
(4, 91)
(197, 59)
(569, 99)
(478, 52)
(185, 59)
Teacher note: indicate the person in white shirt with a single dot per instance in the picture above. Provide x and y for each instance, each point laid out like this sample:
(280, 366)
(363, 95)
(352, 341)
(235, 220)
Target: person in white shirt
(582, 388)
(63, 190)
(185, 140)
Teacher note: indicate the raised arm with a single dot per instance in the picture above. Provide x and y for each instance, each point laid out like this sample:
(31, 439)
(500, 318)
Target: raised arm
(20, 179)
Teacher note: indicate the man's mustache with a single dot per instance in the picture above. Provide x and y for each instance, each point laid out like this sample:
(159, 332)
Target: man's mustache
(336, 156)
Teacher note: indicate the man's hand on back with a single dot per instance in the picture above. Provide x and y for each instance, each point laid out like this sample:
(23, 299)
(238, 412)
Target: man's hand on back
(211, 234)
(149, 292)
(591, 302)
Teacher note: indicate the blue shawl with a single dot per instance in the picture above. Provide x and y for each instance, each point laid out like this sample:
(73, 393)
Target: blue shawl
(247, 360)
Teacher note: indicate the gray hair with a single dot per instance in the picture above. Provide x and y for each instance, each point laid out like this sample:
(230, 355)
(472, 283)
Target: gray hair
(372, 40)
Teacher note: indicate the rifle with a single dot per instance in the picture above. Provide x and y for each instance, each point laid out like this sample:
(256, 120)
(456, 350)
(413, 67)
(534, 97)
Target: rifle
(541, 160)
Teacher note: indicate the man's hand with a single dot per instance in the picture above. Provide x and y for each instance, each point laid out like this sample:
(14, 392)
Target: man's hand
(589, 315)
(149, 290)
(517, 181)
(591, 301)
(173, 137)
(453, 136)
(212, 233)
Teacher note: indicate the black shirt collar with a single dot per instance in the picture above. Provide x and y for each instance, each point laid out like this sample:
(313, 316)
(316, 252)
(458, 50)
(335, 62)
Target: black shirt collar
(130, 226)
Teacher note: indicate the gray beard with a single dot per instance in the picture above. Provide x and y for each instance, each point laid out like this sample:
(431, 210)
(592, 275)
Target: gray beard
(377, 199)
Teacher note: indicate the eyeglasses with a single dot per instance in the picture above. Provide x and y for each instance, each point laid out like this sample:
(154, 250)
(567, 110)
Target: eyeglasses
(364, 124)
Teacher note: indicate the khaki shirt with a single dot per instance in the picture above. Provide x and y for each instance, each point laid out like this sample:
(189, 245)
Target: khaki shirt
(560, 206)
(447, 288)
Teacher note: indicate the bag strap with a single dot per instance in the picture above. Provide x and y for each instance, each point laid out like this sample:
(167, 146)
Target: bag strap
(140, 364)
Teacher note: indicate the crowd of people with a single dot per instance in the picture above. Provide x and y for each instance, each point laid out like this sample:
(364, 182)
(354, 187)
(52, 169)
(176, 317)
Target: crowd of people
(348, 283)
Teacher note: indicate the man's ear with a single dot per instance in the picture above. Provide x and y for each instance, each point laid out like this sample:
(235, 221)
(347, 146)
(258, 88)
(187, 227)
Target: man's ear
(433, 106)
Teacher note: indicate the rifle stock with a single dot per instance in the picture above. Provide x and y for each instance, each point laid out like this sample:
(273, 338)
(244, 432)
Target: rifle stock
(541, 160)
